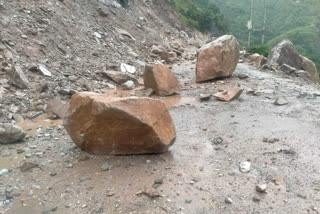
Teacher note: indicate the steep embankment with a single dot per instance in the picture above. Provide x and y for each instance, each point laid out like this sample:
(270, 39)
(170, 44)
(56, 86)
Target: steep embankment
(76, 40)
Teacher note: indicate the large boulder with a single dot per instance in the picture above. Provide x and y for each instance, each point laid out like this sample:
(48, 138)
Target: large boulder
(310, 68)
(10, 133)
(218, 58)
(161, 80)
(285, 53)
(101, 124)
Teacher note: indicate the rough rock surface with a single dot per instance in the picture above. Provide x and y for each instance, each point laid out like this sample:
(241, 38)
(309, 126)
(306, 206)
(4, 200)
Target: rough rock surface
(10, 133)
(229, 95)
(108, 125)
(285, 53)
(57, 108)
(119, 77)
(18, 78)
(218, 58)
(161, 80)
(310, 68)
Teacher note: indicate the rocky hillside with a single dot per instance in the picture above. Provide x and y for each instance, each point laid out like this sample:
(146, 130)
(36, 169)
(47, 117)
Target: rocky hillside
(63, 46)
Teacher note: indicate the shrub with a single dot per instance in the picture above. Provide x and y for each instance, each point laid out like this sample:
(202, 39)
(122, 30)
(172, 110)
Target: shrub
(123, 3)
(260, 49)
(203, 15)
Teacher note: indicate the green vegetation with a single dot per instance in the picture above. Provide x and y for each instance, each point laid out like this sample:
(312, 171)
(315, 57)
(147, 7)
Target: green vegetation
(260, 49)
(297, 21)
(202, 15)
(123, 3)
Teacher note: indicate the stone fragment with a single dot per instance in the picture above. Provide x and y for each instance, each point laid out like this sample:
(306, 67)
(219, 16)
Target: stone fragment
(229, 95)
(281, 102)
(125, 68)
(245, 166)
(119, 77)
(161, 80)
(10, 133)
(17, 78)
(129, 85)
(205, 97)
(262, 188)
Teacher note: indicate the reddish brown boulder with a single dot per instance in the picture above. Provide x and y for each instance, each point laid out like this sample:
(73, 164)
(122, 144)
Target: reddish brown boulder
(161, 80)
(218, 58)
(100, 124)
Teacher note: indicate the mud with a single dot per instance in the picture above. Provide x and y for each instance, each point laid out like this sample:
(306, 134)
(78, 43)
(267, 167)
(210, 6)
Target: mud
(199, 171)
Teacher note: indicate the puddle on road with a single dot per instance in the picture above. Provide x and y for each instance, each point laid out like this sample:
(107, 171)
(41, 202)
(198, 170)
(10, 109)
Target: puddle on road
(31, 126)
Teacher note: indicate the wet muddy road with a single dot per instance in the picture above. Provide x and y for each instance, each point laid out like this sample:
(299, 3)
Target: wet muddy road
(282, 144)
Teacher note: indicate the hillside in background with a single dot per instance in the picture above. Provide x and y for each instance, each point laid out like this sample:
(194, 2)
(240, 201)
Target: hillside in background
(298, 21)
(202, 15)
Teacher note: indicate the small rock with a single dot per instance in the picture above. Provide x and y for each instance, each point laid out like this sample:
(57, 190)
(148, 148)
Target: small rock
(4, 172)
(205, 97)
(72, 78)
(161, 79)
(125, 68)
(228, 200)
(151, 192)
(44, 71)
(256, 199)
(53, 174)
(245, 166)
(10, 133)
(281, 102)
(129, 85)
(278, 181)
(158, 182)
(106, 167)
(26, 166)
(20, 150)
(229, 95)
(188, 201)
(262, 188)
(17, 78)
(243, 76)
(70, 165)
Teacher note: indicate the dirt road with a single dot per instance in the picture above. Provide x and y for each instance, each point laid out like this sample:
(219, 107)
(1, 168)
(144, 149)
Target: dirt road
(200, 174)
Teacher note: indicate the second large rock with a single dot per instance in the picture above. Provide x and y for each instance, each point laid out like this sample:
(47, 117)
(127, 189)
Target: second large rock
(218, 58)
(99, 124)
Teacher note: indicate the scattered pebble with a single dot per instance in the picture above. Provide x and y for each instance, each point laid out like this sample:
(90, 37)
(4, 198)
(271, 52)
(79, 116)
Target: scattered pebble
(228, 200)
